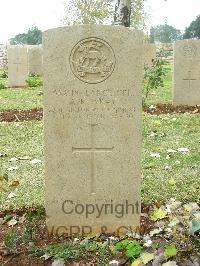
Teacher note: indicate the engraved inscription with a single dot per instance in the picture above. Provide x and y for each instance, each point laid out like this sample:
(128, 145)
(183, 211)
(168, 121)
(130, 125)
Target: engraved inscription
(92, 60)
(92, 150)
(94, 103)
(189, 50)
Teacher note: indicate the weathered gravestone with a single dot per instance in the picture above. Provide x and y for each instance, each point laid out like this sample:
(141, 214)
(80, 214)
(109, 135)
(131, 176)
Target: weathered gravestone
(17, 65)
(92, 92)
(149, 53)
(3, 56)
(35, 59)
(186, 80)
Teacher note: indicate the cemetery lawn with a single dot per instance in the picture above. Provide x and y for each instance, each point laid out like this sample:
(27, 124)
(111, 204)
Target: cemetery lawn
(170, 160)
(20, 98)
(29, 98)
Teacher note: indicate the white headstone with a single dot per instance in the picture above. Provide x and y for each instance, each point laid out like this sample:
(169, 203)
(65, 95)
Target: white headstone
(92, 94)
(186, 80)
(17, 65)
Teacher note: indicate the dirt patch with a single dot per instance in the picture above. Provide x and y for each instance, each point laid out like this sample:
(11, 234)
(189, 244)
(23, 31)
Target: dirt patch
(37, 113)
(32, 244)
(169, 108)
(21, 115)
(22, 254)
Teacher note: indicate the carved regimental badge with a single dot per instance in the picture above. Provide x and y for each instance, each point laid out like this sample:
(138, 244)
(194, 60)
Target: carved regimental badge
(189, 50)
(92, 60)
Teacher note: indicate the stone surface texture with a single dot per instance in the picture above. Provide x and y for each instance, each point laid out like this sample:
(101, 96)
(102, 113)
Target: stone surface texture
(149, 53)
(92, 95)
(17, 65)
(35, 59)
(3, 56)
(186, 78)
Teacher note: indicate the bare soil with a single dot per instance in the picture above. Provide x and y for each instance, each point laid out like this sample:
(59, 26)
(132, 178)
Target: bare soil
(37, 113)
(22, 256)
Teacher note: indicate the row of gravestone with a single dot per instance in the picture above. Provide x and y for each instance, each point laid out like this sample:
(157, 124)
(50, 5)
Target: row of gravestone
(27, 59)
(3, 56)
(23, 61)
(92, 124)
(92, 116)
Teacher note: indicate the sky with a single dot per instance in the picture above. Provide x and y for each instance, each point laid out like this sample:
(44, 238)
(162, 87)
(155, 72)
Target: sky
(17, 16)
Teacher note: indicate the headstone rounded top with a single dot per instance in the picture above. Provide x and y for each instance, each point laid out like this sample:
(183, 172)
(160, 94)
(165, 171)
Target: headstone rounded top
(92, 60)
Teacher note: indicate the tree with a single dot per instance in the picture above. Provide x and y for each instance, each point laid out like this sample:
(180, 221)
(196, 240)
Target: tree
(87, 12)
(32, 36)
(102, 12)
(122, 13)
(164, 34)
(193, 31)
(138, 14)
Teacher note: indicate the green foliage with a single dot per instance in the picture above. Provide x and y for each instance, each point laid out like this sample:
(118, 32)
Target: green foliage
(164, 34)
(34, 81)
(28, 233)
(4, 75)
(103, 255)
(170, 251)
(193, 31)
(34, 214)
(64, 250)
(33, 37)
(69, 251)
(103, 251)
(87, 12)
(132, 248)
(197, 243)
(2, 86)
(138, 15)
(101, 12)
(158, 214)
(153, 77)
(10, 240)
(91, 246)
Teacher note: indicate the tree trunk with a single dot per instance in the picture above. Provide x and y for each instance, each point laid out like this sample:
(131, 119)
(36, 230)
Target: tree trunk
(122, 12)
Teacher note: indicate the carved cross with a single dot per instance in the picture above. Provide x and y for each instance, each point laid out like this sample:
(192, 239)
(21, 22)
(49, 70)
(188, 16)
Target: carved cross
(189, 79)
(92, 149)
(17, 62)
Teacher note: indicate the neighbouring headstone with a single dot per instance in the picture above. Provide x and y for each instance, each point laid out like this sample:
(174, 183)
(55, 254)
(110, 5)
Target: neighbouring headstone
(186, 80)
(149, 53)
(92, 94)
(35, 59)
(17, 65)
(3, 56)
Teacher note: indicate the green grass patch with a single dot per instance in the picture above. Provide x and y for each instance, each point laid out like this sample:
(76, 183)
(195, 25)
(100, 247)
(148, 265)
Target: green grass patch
(162, 95)
(167, 175)
(20, 98)
(173, 174)
(31, 97)
(23, 141)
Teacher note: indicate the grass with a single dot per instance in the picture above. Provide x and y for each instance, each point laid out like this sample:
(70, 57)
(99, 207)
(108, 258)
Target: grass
(23, 140)
(173, 174)
(19, 98)
(167, 175)
(28, 98)
(162, 178)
